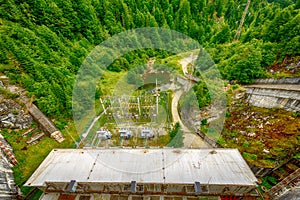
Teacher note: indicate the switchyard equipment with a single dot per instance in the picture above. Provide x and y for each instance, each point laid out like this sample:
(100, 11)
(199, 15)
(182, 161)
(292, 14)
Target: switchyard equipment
(147, 133)
(131, 109)
(144, 173)
(125, 133)
(104, 134)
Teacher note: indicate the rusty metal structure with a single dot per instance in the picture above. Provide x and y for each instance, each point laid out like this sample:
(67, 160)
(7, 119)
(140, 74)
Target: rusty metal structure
(292, 180)
(8, 189)
(165, 173)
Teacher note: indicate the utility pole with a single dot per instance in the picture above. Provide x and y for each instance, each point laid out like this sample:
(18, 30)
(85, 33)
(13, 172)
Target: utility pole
(239, 30)
(139, 106)
(156, 97)
(103, 106)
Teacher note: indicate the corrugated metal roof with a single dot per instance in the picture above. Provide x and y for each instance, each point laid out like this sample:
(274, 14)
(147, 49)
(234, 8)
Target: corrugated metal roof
(174, 166)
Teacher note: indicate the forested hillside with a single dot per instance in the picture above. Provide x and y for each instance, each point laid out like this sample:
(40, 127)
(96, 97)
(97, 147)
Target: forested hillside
(43, 42)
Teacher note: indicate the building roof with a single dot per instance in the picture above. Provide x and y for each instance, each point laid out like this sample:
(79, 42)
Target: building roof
(167, 165)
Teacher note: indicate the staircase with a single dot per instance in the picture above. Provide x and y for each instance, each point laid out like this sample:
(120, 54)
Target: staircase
(288, 182)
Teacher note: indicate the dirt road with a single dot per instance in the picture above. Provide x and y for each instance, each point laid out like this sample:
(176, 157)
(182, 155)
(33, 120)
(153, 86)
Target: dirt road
(191, 140)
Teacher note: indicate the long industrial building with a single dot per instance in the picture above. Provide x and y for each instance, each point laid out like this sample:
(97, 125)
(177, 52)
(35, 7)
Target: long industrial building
(164, 173)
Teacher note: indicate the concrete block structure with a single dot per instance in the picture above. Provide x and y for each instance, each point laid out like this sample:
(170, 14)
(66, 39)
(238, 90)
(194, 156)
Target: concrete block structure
(164, 173)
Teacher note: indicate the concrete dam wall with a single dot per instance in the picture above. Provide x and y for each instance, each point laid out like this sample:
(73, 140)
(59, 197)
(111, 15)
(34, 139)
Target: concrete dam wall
(269, 93)
(295, 80)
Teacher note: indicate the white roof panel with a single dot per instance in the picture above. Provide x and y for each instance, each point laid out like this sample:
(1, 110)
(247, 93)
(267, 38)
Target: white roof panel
(167, 165)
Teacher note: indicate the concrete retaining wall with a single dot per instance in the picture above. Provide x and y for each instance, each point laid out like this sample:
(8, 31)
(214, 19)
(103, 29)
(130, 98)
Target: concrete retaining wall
(283, 93)
(278, 81)
(213, 143)
(269, 98)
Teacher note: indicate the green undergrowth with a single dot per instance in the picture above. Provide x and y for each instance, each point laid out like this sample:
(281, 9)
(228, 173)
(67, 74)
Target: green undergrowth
(176, 137)
(267, 182)
(173, 62)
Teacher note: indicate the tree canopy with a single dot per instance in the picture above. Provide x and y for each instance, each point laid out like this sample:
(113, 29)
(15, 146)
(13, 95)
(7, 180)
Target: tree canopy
(44, 42)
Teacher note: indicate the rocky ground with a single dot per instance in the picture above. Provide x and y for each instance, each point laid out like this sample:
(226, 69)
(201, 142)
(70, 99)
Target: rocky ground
(13, 113)
(12, 116)
(288, 67)
(266, 137)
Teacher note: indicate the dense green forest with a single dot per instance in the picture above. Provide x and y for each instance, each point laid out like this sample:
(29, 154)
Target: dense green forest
(44, 42)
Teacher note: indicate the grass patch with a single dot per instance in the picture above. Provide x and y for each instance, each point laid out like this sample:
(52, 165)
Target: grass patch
(268, 182)
(111, 81)
(173, 62)
(8, 94)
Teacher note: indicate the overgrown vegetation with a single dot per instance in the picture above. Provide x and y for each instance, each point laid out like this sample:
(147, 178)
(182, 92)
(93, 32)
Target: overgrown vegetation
(266, 137)
(30, 156)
